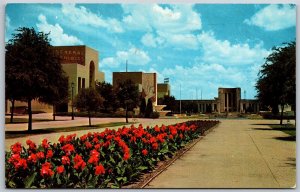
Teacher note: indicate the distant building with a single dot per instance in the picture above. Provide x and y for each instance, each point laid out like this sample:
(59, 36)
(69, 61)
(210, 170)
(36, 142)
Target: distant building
(228, 100)
(81, 64)
(147, 83)
(163, 89)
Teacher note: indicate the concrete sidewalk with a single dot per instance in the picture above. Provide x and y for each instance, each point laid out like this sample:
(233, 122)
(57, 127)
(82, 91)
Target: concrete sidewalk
(236, 154)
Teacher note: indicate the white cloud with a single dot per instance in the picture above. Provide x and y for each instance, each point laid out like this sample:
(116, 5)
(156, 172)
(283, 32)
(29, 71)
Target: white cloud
(110, 62)
(150, 41)
(172, 25)
(57, 35)
(178, 18)
(274, 17)
(82, 16)
(133, 56)
(226, 53)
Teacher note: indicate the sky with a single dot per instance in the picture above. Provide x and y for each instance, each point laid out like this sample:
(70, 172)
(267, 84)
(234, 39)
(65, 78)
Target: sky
(199, 47)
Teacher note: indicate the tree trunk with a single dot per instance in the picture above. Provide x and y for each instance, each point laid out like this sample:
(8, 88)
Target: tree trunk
(90, 123)
(54, 111)
(12, 110)
(126, 115)
(281, 114)
(29, 116)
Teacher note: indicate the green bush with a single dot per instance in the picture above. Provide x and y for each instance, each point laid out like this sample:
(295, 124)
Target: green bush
(154, 115)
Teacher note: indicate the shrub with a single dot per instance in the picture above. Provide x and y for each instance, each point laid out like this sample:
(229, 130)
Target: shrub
(154, 115)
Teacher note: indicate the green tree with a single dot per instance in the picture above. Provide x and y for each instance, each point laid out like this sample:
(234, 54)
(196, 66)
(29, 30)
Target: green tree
(276, 83)
(143, 106)
(88, 100)
(170, 103)
(57, 94)
(149, 108)
(105, 89)
(31, 67)
(128, 96)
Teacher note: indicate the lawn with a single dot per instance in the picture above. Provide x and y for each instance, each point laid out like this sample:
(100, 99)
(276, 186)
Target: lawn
(17, 134)
(23, 120)
(286, 128)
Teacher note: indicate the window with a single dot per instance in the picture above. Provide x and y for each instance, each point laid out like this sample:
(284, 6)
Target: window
(79, 83)
(83, 83)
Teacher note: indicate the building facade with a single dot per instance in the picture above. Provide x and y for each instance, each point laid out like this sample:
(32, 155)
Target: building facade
(163, 89)
(81, 65)
(147, 83)
(228, 100)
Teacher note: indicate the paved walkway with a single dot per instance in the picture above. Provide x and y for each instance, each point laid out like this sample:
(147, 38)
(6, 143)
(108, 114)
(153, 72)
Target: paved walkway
(236, 154)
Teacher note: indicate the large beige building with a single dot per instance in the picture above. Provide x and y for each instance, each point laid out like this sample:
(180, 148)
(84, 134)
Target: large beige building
(81, 64)
(147, 83)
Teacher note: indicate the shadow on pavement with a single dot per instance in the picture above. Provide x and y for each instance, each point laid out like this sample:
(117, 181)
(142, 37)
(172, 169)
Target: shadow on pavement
(17, 134)
(291, 162)
(288, 138)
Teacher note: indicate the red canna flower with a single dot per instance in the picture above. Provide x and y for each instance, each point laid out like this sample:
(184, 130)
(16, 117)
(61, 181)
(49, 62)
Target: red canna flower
(61, 139)
(181, 136)
(144, 152)
(60, 169)
(49, 154)
(155, 146)
(45, 144)
(83, 138)
(88, 145)
(46, 170)
(126, 156)
(156, 129)
(16, 148)
(68, 149)
(31, 144)
(171, 137)
(93, 160)
(32, 158)
(21, 163)
(40, 155)
(65, 160)
(78, 162)
(99, 170)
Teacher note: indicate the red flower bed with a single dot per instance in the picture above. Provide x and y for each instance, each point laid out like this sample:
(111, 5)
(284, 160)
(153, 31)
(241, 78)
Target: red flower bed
(108, 159)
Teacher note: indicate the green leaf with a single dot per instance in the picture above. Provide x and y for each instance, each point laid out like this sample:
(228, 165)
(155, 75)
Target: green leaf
(142, 168)
(29, 180)
(92, 182)
(11, 184)
(111, 160)
(58, 181)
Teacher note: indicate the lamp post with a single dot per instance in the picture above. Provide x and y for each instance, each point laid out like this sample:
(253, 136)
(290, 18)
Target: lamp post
(72, 85)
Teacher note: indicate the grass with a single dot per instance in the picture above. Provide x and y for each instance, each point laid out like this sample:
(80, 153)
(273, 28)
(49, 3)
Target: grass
(23, 120)
(287, 128)
(18, 134)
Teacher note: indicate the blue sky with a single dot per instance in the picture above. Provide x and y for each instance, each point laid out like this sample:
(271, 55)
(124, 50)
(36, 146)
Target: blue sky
(198, 46)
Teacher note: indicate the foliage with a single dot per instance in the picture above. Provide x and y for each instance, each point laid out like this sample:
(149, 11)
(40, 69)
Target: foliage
(88, 100)
(110, 159)
(149, 108)
(170, 102)
(143, 106)
(32, 68)
(276, 83)
(110, 102)
(154, 115)
(128, 96)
